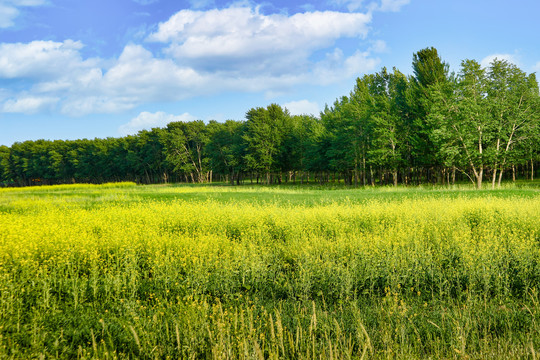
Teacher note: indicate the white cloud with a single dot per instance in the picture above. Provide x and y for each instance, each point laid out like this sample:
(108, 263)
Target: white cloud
(29, 104)
(351, 5)
(302, 107)
(537, 67)
(9, 10)
(201, 4)
(379, 46)
(7, 16)
(147, 120)
(327, 71)
(486, 62)
(241, 38)
(383, 5)
(207, 52)
(392, 5)
(41, 59)
(138, 74)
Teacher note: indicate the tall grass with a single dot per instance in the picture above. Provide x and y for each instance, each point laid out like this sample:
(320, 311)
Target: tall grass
(244, 273)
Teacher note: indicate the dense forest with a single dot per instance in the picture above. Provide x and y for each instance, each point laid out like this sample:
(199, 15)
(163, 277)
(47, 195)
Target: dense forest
(479, 125)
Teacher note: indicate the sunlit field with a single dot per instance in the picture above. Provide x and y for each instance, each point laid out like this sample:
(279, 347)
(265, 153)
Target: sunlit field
(220, 272)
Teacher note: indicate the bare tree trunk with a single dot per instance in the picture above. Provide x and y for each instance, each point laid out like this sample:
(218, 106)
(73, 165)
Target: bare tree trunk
(364, 170)
(479, 178)
(355, 175)
(500, 177)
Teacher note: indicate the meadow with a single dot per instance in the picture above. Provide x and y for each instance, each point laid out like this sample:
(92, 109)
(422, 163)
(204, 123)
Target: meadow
(120, 271)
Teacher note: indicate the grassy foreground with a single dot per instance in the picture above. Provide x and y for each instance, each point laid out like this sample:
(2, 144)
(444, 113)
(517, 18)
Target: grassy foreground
(125, 271)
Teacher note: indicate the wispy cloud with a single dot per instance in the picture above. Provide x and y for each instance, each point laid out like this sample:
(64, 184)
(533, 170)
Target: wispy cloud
(147, 121)
(202, 4)
(303, 107)
(10, 10)
(29, 104)
(145, 2)
(379, 46)
(392, 5)
(382, 5)
(486, 62)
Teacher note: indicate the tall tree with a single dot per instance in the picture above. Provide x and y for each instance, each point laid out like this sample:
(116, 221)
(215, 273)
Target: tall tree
(263, 136)
(511, 98)
(461, 123)
(389, 92)
(429, 70)
(185, 144)
(225, 149)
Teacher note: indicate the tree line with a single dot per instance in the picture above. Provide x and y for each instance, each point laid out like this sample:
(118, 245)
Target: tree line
(430, 127)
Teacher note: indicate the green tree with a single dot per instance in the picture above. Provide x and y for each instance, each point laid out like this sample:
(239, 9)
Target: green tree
(461, 126)
(4, 164)
(387, 116)
(429, 70)
(225, 149)
(263, 137)
(184, 145)
(511, 99)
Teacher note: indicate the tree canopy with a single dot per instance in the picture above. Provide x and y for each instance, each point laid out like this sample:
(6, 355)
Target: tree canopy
(433, 126)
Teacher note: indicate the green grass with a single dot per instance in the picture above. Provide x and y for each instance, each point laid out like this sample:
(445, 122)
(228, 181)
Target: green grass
(252, 272)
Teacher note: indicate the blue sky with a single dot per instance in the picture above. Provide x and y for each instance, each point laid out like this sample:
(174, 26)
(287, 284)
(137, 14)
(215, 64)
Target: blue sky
(84, 69)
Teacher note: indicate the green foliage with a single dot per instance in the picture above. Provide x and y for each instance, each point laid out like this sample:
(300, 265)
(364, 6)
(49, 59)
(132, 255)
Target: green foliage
(432, 127)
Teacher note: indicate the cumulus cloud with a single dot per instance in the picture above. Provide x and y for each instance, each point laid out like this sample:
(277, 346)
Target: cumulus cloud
(486, 62)
(29, 104)
(42, 59)
(242, 38)
(537, 67)
(9, 10)
(302, 107)
(205, 52)
(137, 73)
(147, 120)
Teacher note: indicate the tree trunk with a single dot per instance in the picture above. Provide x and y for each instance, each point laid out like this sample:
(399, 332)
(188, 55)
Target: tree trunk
(494, 176)
(500, 177)
(479, 178)
(364, 170)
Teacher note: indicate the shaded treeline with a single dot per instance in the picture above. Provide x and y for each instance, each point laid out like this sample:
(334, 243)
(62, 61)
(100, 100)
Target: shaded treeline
(434, 126)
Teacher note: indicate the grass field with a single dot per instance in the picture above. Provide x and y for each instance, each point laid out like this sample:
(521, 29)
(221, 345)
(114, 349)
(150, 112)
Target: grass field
(218, 272)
